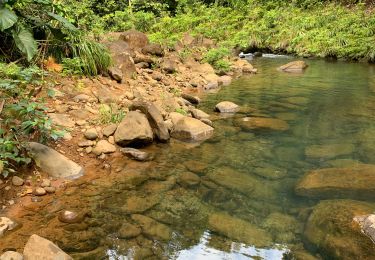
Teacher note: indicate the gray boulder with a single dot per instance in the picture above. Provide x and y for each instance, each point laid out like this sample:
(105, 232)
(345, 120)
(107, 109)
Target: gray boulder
(53, 163)
(41, 248)
(154, 117)
(134, 130)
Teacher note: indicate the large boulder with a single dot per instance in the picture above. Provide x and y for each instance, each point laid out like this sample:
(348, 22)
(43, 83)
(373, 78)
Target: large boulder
(53, 163)
(333, 231)
(41, 248)
(191, 129)
(135, 39)
(155, 119)
(294, 66)
(357, 182)
(238, 230)
(261, 123)
(134, 130)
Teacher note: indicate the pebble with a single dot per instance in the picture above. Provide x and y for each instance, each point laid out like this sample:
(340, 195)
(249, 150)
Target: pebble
(91, 134)
(17, 181)
(86, 143)
(45, 183)
(7, 188)
(88, 149)
(36, 199)
(109, 130)
(11, 202)
(111, 140)
(40, 191)
(81, 122)
(50, 189)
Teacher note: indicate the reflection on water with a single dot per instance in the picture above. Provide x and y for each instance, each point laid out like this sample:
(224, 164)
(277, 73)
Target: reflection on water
(231, 197)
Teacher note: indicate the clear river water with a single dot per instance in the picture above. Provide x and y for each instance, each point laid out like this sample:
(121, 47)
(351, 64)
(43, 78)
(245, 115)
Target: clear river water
(232, 196)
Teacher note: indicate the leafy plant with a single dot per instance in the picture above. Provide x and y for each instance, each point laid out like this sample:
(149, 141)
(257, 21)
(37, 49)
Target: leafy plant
(181, 111)
(110, 114)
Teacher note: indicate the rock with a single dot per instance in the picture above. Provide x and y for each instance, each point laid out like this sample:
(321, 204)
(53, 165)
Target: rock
(61, 120)
(123, 66)
(239, 230)
(225, 80)
(261, 123)
(328, 151)
(347, 182)
(196, 167)
(17, 181)
(271, 173)
(191, 129)
(227, 107)
(86, 143)
(41, 248)
(116, 74)
(50, 189)
(142, 65)
(82, 97)
(189, 179)
(134, 39)
(294, 66)
(45, 183)
(109, 130)
(136, 204)
(103, 147)
(199, 114)
(134, 130)
(169, 66)
(71, 217)
(211, 85)
(154, 117)
(11, 255)
(53, 163)
(91, 134)
(175, 117)
(234, 180)
(39, 191)
(192, 99)
(152, 228)
(207, 121)
(153, 49)
(105, 96)
(332, 230)
(367, 223)
(129, 231)
(137, 155)
(6, 224)
(283, 227)
(244, 66)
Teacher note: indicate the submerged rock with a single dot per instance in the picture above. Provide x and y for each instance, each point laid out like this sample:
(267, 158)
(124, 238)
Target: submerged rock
(261, 123)
(332, 230)
(53, 163)
(136, 204)
(239, 230)
(67, 216)
(294, 66)
(189, 179)
(357, 182)
(41, 248)
(367, 223)
(134, 130)
(129, 231)
(191, 129)
(227, 107)
(137, 155)
(328, 151)
(152, 228)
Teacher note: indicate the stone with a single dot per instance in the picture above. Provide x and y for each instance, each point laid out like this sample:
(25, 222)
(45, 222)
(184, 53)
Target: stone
(41, 248)
(234, 180)
(134, 130)
(175, 117)
(129, 231)
(82, 98)
(123, 67)
(136, 204)
(6, 224)
(244, 66)
(134, 39)
(137, 155)
(17, 181)
(86, 143)
(367, 223)
(261, 123)
(357, 182)
(11, 255)
(39, 191)
(211, 85)
(189, 179)
(191, 129)
(154, 117)
(207, 121)
(328, 151)
(71, 217)
(239, 230)
(227, 107)
(103, 147)
(332, 229)
(199, 114)
(153, 49)
(91, 134)
(225, 80)
(294, 66)
(282, 226)
(63, 120)
(152, 228)
(53, 163)
(50, 189)
(45, 183)
(169, 66)
(116, 74)
(196, 166)
(192, 99)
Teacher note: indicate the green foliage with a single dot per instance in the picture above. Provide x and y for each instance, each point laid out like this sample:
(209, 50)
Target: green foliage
(110, 114)
(72, 66)
(181, 111)
(217, 58)
(22, 117)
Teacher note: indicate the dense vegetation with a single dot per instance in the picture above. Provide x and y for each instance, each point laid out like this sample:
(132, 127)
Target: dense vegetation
(68, 30)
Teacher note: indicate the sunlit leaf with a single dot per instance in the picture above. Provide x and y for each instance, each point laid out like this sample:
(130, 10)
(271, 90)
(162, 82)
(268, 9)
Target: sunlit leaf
(7, 18)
